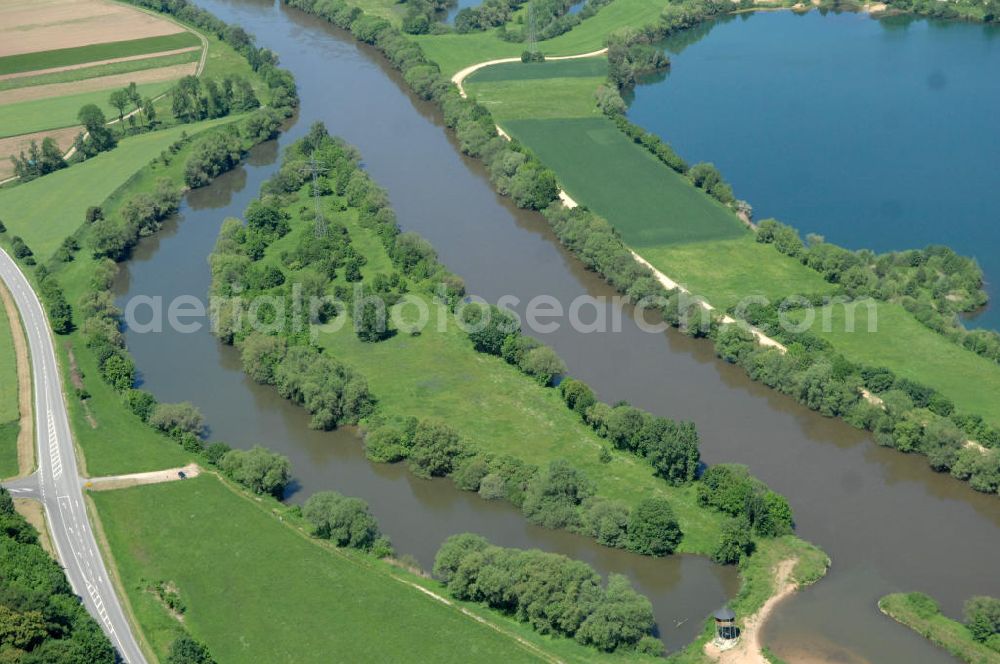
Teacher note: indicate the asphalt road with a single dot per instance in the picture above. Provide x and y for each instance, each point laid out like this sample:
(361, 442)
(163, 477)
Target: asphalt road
(57, 482)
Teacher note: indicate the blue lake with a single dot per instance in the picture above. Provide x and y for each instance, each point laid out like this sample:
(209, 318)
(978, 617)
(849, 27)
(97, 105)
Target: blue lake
(880, 134)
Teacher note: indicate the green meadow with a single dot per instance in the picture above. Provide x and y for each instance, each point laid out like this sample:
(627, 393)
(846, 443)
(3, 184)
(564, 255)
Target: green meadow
(913, 351)
(454, 51)
(724, 272)
(63, 57)
(9, 413)
(27, 117)
(43, 219)
(257, 590)
(110, 69)
(490, 403)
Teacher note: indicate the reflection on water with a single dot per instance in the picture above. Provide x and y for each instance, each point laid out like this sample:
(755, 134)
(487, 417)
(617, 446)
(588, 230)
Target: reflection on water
(888, 523)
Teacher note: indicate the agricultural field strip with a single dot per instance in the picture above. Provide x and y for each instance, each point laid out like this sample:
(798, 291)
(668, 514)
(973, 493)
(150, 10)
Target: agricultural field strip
(97, 69)
(96, 53)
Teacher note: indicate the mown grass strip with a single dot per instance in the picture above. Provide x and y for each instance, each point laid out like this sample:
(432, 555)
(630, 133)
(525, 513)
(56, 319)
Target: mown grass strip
(14, 64)
(109, 69)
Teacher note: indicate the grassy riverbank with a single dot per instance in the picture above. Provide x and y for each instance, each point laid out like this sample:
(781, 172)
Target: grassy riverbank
(299, 599)
(920, 613)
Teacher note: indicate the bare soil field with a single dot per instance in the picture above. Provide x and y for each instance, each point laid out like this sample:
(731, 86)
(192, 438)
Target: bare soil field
(34, 92)
(15, 144)
(29, 26)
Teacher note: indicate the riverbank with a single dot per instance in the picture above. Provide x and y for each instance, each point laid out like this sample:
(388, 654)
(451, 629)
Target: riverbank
(432, 371)
(687, 230)
(921, 614)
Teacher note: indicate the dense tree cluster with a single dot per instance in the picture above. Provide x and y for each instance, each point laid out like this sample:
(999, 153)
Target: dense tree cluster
(140, 215)
(670, 447)
(342, 520)
(96, 137)
(730, 488)
(496, 331)
(934, 277)
(41, 619)
(58, 309)
(194, 98)
(982, 617)
(552, 593)
(39, 161)
(258, 469)
(185, 650)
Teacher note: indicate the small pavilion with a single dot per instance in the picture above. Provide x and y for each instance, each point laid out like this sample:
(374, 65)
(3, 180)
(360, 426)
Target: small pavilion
(727, 634)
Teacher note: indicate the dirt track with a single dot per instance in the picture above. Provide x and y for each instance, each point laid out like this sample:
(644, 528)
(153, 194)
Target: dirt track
(749, 649)
(30, 26)
(136, 479)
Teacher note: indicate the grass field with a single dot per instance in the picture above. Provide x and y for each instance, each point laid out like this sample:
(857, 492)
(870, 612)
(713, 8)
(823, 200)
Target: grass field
(490, 403)
(598, 166)
(96, 71)
(454, 51)
(9, 413)
(510, 91)
(56, 112)
(44, 219)
(915, 352)
(13, 64)
(256, 590)
(726, 271)
(950, 634)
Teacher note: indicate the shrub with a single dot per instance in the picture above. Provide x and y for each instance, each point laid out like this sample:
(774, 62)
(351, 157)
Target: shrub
(177, 419)
(653, 529)
(553, 496)
(344, 521)
(258, 469)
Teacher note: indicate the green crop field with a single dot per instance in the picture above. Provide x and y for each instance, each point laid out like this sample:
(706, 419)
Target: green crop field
(599, 167)
(297, 601)
(111, 69)
(913, 351)
(14, 64)
(454, 51)
(596, 67)
(44, 218)
(9, 413)
(27, 117)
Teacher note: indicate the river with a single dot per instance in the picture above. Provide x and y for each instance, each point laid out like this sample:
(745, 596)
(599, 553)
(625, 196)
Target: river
(876, 134)
(887, 521)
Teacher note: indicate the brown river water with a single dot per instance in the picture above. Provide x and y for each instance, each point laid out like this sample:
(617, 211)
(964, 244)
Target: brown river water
(888, 523)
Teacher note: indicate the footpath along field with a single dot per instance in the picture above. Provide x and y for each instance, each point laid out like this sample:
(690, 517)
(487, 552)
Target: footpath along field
(58, 55)
(691, 237)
